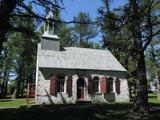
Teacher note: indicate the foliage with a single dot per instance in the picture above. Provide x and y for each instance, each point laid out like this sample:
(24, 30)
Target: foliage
(25, 58)
(9, 9)
(82, 33)
(127, 32)
(19, 53)
(11, 87)
(117, 37)
(66, 36)
(153, 59)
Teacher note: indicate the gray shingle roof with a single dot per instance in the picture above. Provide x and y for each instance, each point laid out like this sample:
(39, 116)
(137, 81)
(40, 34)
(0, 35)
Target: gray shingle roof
(79, 58)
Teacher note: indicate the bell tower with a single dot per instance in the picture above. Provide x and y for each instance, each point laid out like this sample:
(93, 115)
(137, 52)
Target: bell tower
(50, 41)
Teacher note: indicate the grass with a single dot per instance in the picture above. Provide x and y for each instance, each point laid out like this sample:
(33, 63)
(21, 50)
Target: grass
(13, 102)
(152, 98)
(116, 111)
(77, 112)
(22, 102)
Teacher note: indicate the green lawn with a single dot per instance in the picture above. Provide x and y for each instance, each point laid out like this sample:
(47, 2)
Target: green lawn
(77, 112)
(13, 102)
(116, 111)
(22, 102)
(152, 98)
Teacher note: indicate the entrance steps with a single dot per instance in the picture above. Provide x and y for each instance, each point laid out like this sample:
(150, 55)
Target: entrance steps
(79, 101)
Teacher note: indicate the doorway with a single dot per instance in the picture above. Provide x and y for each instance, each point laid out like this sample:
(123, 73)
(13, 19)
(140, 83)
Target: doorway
(80, 88)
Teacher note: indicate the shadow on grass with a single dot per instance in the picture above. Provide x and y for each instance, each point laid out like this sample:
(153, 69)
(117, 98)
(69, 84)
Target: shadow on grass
(154, 105)
(5, 100)
(152, 97)
(77, 112)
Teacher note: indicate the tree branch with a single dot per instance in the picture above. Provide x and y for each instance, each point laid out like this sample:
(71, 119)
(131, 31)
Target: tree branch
(58, 21)
(150, 25)
(150, 39)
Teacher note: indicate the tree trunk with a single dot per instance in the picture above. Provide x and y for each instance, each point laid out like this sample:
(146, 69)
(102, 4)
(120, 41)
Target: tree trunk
(141, 101)
(5, 89)
(18, 82)
(6, 8)
(4, 85)
(17, 88)
(22, 87)
(6, 76)
(158, 87)
(1, 43)
(2, 90)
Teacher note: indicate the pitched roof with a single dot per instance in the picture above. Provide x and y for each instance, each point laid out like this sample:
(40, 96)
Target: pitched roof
(79, 58)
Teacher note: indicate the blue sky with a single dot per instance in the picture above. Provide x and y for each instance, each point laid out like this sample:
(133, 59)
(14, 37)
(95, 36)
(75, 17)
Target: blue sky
(73, 7)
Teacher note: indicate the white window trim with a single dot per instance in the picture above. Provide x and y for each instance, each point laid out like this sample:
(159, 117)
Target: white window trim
(64, 87)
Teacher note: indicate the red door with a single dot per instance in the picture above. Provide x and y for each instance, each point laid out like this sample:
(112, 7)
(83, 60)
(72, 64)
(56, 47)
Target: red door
(80, 88)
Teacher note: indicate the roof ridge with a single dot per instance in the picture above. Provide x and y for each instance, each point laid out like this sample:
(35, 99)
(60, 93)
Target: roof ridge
(88, 48)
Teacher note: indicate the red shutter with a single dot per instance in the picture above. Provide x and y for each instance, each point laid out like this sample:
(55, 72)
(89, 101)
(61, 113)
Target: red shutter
(106, 84)
(103, 84)
(69, 86)
(53, 85)
(117, 86)
(90, 85)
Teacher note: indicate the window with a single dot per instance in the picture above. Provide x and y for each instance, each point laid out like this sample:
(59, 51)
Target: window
(96, 84)
(118, 84)
(110, 85)
(60, 84)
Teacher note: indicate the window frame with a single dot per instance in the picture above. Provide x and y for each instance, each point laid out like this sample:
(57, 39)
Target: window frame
(96, 80)
(109, 84)
(118, 86)
(61, 81)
